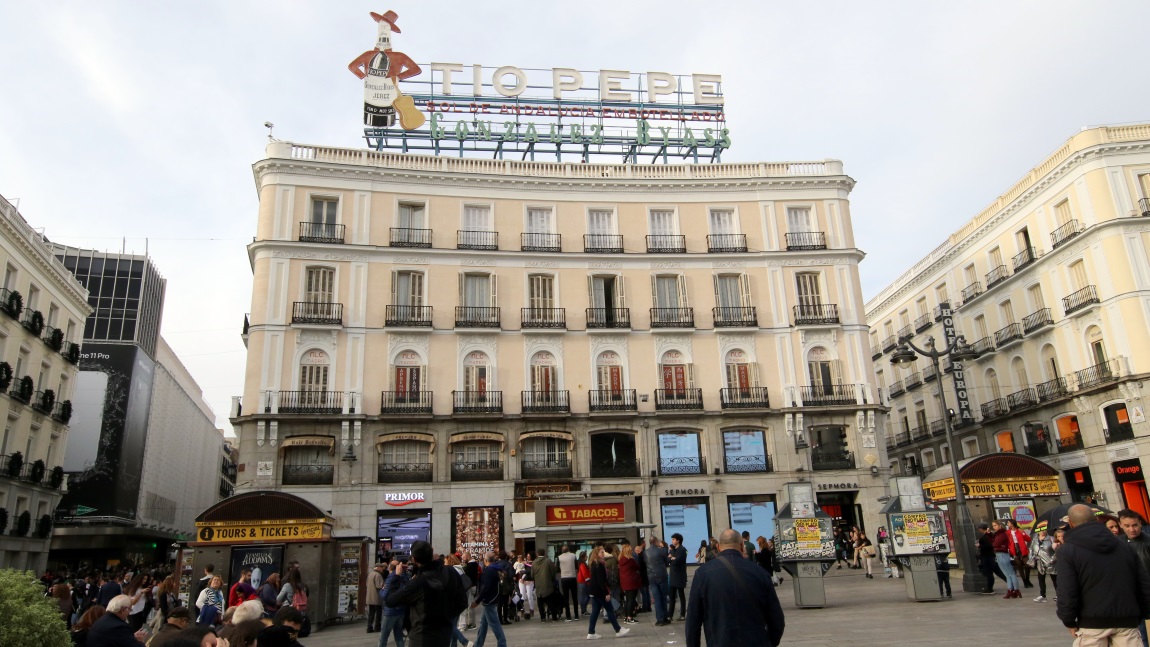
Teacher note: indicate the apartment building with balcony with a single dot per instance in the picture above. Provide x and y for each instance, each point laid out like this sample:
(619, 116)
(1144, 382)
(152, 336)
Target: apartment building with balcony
(471, 333)
(42, 313)
(1050, 284)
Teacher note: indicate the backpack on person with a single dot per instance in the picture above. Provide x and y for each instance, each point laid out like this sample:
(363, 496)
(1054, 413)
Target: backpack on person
(299, 601)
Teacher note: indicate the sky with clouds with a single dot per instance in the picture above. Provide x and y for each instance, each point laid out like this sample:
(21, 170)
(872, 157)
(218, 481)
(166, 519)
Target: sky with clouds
(133, 125)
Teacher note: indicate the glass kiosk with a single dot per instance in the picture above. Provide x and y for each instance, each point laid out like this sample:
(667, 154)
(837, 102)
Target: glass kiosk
(917, 537)
(805, 545)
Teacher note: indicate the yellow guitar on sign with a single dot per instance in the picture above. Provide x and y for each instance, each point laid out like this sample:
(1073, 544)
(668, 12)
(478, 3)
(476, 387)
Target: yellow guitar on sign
(409, 117)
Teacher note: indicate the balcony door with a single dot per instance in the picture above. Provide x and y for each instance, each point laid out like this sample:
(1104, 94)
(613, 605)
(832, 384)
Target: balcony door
(476, 369)
(411, 216)
(539, 221)
(809, 293)
(408, 376)
(799, 220)
(313, 378)
(319, 285)
(323, 211)
(723, 222)
(609, 372)
(543, 382)
(732, 291)
(541, 293)
(477, 218)
(407, 289)
(477, 290)
(824, 372)
(550, 452)
(607, 296)
(677, 374)
(741, 374)
(663, 223)
(601, 223)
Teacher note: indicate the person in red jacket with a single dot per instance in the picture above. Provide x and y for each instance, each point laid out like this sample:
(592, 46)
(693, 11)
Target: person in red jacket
(1019, 551)
(242, 591)
(1001, 540)
(583, 579)
(629, 581)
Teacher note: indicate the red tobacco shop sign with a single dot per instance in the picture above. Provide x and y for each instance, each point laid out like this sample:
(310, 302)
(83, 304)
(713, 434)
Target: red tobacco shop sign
(566, 515)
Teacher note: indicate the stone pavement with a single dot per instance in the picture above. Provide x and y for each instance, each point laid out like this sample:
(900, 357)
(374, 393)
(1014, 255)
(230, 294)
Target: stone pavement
(859, 612)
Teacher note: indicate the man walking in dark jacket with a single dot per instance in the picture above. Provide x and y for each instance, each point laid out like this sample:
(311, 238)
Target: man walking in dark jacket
(1131, 524)
(434, 597)
(677, 578)
(657, 576)
(733, 601)
(1103, 592)
(488, 599)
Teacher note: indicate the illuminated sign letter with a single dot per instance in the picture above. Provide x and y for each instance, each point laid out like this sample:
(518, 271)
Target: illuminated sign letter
(520, 81)
(446, 69)
(565, 79)
(660, 84)
(707, 89)
(609, 85)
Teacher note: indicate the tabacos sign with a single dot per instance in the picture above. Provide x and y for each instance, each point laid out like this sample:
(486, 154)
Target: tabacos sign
(473, 108)
(399, 499)
(568, 515)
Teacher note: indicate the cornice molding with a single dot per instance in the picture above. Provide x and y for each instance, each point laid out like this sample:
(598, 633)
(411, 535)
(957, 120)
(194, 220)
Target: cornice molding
(68, 285)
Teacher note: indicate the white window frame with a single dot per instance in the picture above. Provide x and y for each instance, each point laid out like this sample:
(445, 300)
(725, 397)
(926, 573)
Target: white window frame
(326, 197)
(401, 202)
(736, 221)
(489, 206)
(812, 224)
(614, 220)
(674, 211)
(549, 208)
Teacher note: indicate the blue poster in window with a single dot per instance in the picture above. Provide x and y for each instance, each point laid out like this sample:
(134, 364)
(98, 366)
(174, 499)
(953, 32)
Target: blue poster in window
(757, 518)
(679, 454)
(690, 520)
(744, 451)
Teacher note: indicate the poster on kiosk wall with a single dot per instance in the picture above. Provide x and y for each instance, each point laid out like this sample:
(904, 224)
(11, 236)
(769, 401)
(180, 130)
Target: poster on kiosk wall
(916, 533)
(477, 530)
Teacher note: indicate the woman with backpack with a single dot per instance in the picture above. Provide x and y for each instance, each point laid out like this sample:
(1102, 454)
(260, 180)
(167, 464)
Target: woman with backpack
(293, 593)
(267, 594)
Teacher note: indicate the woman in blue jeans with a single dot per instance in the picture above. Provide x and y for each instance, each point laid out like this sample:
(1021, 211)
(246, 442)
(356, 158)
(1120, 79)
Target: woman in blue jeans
(393, 616)
(1002, 555)
(601, 596)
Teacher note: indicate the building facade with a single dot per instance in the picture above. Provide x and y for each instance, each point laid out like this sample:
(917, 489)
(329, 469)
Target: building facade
(43, 311)
(1050, 284)
(433, 343)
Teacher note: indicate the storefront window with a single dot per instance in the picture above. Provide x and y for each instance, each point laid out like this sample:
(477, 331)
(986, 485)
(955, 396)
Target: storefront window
(691, 519)
(755, 514)
(745, 451)
(477, 530)
(679, 454)
(1005, 440)
(1069, 435)
(397, 530)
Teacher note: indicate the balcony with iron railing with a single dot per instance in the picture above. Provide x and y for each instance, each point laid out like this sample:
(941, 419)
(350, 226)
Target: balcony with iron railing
(983, 346)
(905, 332)
(1052, 389)
(937, 427)
(889, 343)
(408, 237)
(816, 314)
(876, 351)
(403, 473)
(747, 464)
(1021, 399)
(1080, 300)
(608, 318)
(603, 243)
(610, 468)
(1118, 433)
(672, 317)
(920, 433)
(405, 403)
(891, 443)
(1037, 321)
(321, 402)
(477, 317)
(62, 411)
(899, 439)
(548, 468)
(735, 317)
(666, 244)
(994, 409)
(913, 381)
(1071, 442)
(923, 322)
(682, 465)
(543, 318)
(678, 399)
(1036, 448)
(828, 395)
(407, 316)
(321, 232)
(1008, 335)
(535, 242)
(44, 401)
(308, 474)
(476, 402)
(1063, 234)
(832, 460)
(750, 397)
(472, 239)
(996, 276)
(971, 291)
(929, 373)
(477, 471)
(317, 312)
(1144, 206)
(608, 400)
(805, 240)
(1098, 374)
(897, 388)
(726, 243)
(1025, 258)
(545, 402)
(938, 313)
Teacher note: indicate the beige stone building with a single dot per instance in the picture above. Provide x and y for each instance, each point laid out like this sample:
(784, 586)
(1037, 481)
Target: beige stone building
(42, 314)
(1051, 285)
(477, 332)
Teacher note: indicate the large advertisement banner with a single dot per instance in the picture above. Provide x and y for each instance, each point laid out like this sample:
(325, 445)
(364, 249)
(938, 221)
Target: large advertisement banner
(262, 561)
(477, 530)
(916, 533)
(1021, 510)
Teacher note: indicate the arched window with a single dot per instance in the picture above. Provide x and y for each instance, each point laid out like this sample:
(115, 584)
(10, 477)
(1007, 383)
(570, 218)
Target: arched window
(1097, 345)
(825, 372)
(543, 373)
(476, 372)
(678, 374)
(476, 461)
(1117, 422)
(1018, 367)
(609, 372)
(741, 373)
(404, 461)
(1005, 440)
(1069, 434)
(1049, 362)
(408, 367)
(992, 384)
(545, 458)
(313, 383)
(613, 455)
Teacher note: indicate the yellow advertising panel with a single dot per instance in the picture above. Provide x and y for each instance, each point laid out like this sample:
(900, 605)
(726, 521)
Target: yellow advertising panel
(238, 533)
(944, 488)
(807, 534)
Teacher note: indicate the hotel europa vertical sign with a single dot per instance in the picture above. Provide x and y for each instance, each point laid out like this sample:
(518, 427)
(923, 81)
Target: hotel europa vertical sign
(961, 391)
(460, 109)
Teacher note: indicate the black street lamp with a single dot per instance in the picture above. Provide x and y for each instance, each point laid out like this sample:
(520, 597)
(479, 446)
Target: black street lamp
(959, 351)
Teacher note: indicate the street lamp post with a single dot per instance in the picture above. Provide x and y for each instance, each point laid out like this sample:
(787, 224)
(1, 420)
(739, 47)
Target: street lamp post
(958, 350)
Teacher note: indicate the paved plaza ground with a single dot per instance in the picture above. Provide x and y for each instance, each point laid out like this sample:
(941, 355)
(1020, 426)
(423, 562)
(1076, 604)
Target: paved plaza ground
(859, 612)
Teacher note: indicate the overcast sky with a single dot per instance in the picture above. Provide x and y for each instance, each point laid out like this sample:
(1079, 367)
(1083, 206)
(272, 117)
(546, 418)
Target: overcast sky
(142, 119)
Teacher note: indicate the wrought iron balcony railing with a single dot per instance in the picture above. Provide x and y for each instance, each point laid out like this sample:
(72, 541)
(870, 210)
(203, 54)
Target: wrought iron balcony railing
(403, 473)
(476, 317)
(477, 401)
(726, 243)
(608, 317)
(971, 291)
(1052, 389)
(937, 427)
(923, 322)
(1007, 335)
(407, 316)
(1071, 442)
(551, 468)
(609, 400)
(1024, 258)
(901, 438)
(666, 244)
(751, 397)
(311, 402)
(839, 460)
(996, 276)
(615, 468)
(1037, 320)
(603, 243)
(1021, 399)
(920, 433)
(308, 474)
(546, 401)
(889, 343)
(42, 403)
(929, 373)
(678, 399)
(876, 351)
(408, 237)
(405, 402)
(905, 332)
(983, 346)
(1063, 234)
(477, 471)
(745, 464)
(543, 318)
(804, 240)
(62, 412)
(828, 394)
(735, 317)
(897, 388)
(938, 313)
(1080, 299)
(994, 409)
(913, 381)
(672, 317)
(533, 242)
(816, 314)
(682, 465)
(1095, 375)
(1119, 433)
(470, 239)
(319, 232)
(317, 312)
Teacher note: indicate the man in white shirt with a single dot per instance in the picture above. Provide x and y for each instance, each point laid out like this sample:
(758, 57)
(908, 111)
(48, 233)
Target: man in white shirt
(568, 571)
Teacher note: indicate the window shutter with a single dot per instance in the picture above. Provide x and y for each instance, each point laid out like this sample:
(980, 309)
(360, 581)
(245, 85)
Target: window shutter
(462, 280)
(690, 376)
(494, 282)
(416, 297)
(591, 292)
(755, 374)
(715, 285)
(655, 292)
(620, 293)
(837, 371)
(682, 281)
(745, 284)
(394, 285)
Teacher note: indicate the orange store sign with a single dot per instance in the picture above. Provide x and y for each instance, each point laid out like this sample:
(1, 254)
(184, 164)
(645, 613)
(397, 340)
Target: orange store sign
(566, 515)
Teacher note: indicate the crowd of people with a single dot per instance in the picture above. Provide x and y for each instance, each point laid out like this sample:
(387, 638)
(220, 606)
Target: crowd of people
(141, 606)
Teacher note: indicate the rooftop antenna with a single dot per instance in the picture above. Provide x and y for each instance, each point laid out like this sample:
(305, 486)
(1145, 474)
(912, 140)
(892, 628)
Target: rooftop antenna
(269, 125)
